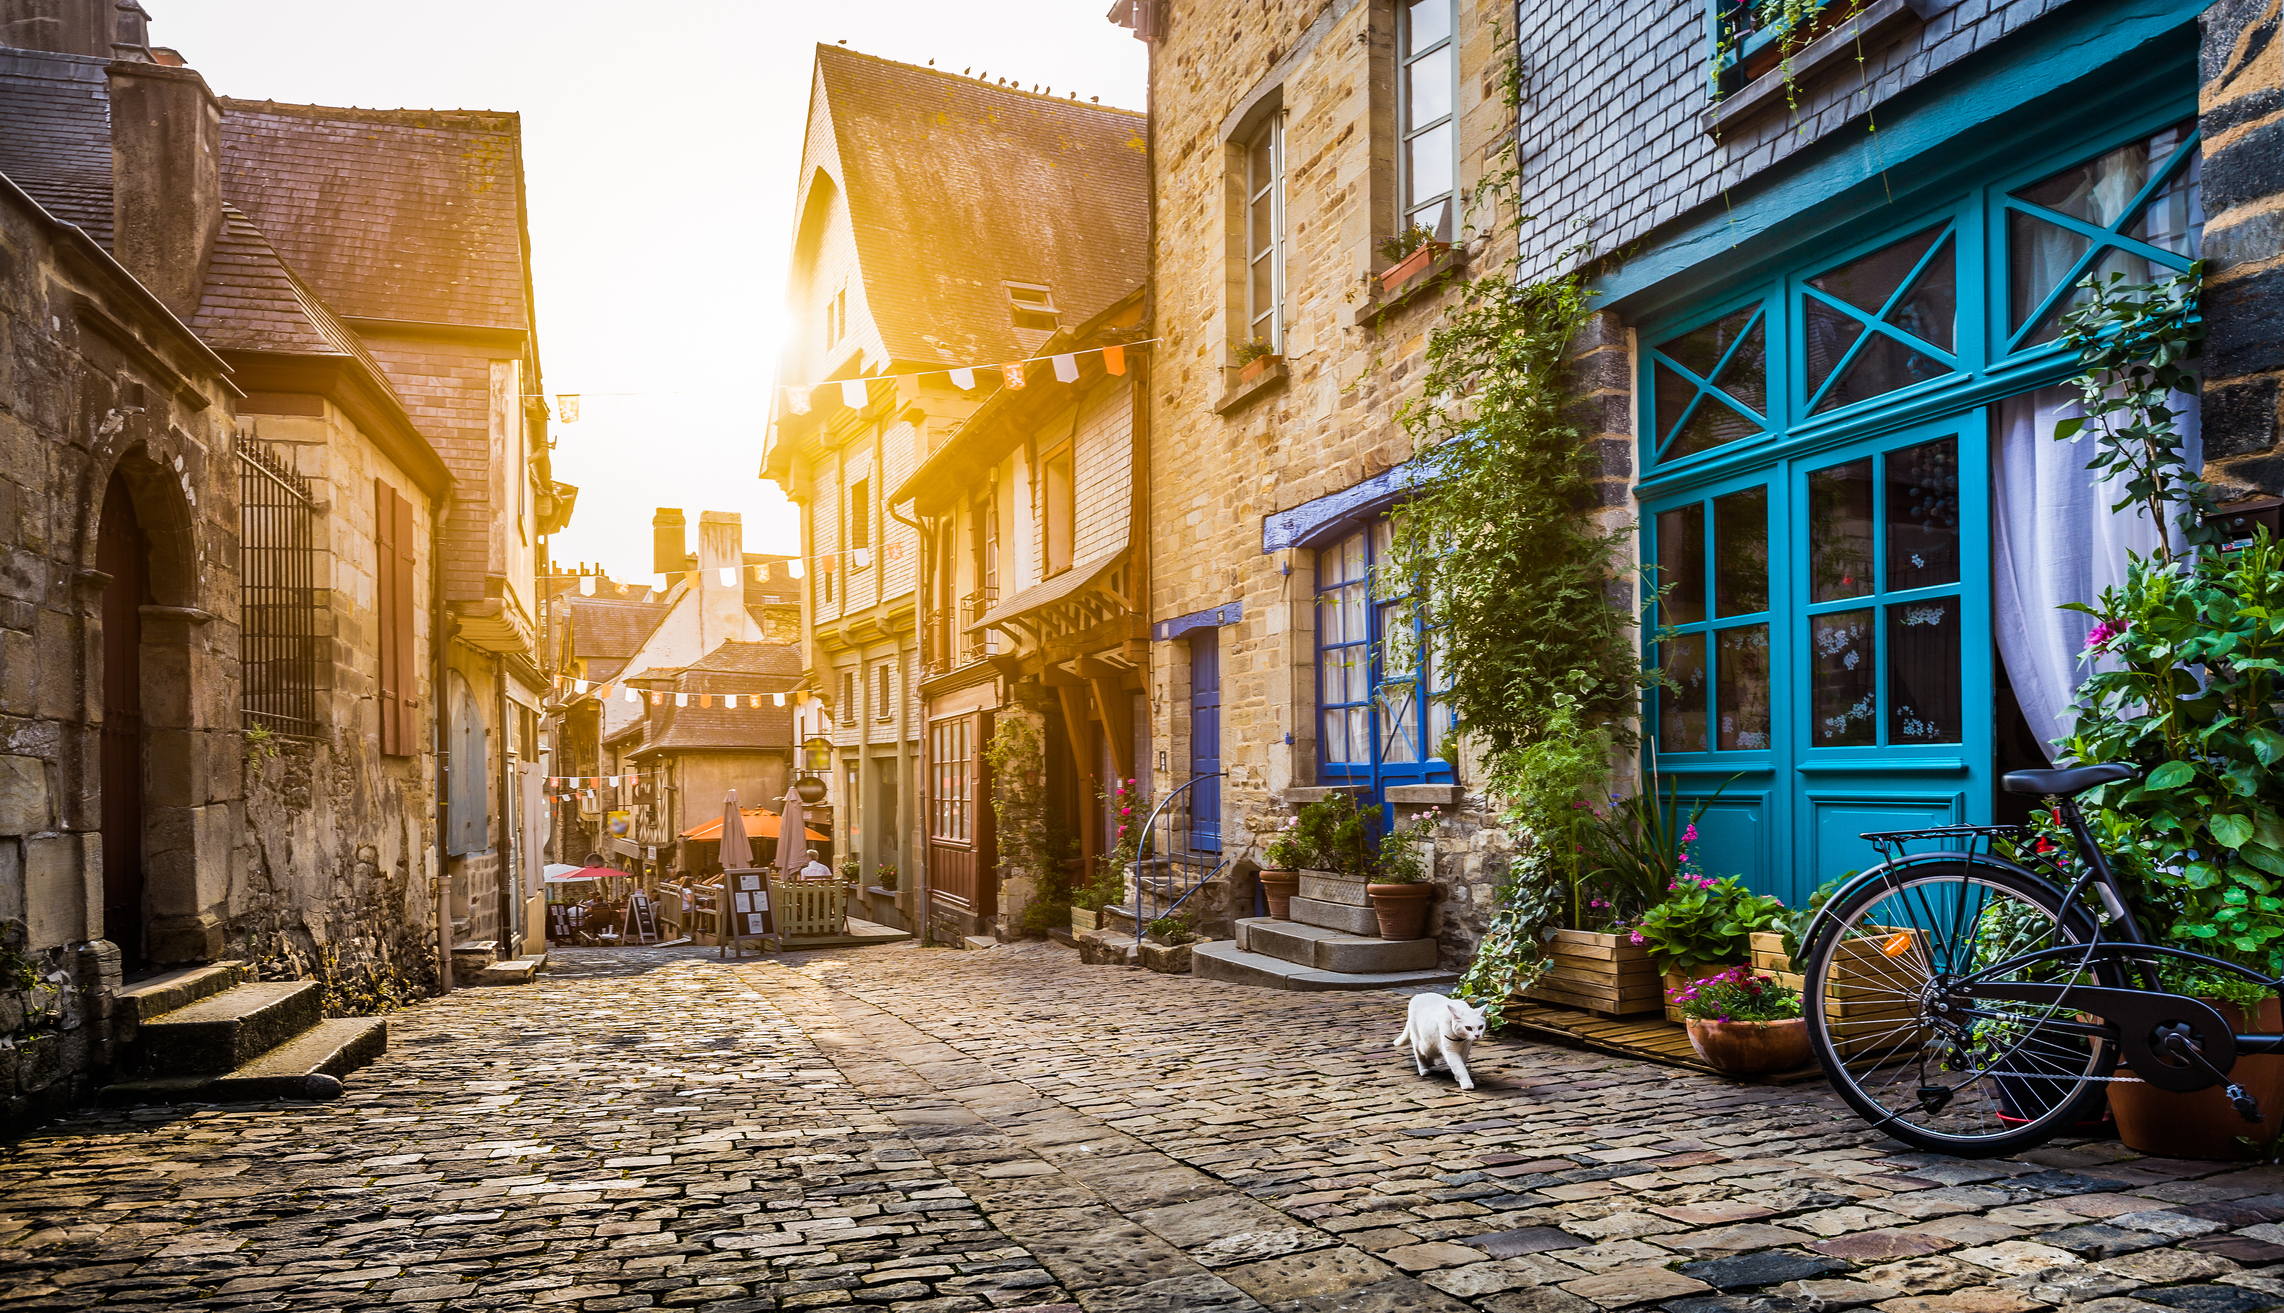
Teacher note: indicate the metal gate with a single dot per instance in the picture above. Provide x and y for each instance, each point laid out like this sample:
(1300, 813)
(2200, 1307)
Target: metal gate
(279, 647)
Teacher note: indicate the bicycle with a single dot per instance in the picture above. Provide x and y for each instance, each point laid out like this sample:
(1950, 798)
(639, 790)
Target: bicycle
(1968, 1004)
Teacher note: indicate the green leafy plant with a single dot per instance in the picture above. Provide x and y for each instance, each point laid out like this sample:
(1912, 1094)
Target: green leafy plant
(1399, 859)
(851, 867)
(886, 874)
(1332, 835)
(1511, 955)
(1287, 849)
(1172, 931)
(1704, 921)
(261, 745)
(1404, 243)
(1737, 994)
(1796, 921)
(2135, 342)
(1253, 350)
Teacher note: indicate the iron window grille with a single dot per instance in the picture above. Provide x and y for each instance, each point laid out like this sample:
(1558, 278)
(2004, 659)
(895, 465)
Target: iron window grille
(280, 644)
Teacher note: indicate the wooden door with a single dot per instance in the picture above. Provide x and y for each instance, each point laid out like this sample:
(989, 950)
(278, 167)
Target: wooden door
(122, 553)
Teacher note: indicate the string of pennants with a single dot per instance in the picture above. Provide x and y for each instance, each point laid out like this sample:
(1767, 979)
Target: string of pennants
(593, 781)
(855, 392)
(659, 697)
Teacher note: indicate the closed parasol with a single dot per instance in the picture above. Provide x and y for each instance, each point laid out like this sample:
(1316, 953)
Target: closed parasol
(791, 857)
(737, 851)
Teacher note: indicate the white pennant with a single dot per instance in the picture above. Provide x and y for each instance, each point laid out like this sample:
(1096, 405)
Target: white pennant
(633, 694)
(586, 585)
(578, 685)
(1066, 369)
(729, 576)
(778, 698)
(681, 699)
(964, 379)
(852, 393)
(795, 568)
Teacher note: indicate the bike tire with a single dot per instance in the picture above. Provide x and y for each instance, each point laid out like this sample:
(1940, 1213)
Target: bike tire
(1868, 991)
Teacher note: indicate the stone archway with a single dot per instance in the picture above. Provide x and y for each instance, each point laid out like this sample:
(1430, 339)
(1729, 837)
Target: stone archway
(123, 554)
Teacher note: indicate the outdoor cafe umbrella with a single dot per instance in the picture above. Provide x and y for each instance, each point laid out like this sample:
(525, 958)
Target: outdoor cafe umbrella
(737, 851)
(792, 855)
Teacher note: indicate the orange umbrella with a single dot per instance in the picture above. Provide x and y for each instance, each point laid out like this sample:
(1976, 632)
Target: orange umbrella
(760, 823)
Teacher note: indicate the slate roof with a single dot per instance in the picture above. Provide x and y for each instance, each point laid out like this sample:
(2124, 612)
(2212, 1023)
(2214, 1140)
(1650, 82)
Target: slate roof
(751, 659)
(55, 141)
(609, 628)
(390, 214)
(718, 729)
(955, 187)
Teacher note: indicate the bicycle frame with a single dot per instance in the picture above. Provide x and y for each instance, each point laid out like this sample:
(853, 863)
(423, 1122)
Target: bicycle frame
(2126, 1013)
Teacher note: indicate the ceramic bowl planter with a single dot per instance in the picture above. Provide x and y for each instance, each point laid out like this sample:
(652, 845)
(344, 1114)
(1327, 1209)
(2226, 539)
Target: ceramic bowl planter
(1277, 889)
(2203, 1125)
(1865, 1002)
(1608, 975)
(1746, 1048)
(1401, 908)
(1679, 977)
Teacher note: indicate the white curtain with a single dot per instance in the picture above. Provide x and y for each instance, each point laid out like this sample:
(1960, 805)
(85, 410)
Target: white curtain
(2055, 540)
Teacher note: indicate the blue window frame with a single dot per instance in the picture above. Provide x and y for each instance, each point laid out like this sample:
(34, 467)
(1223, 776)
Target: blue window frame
(1380, 671)
(1815, 445)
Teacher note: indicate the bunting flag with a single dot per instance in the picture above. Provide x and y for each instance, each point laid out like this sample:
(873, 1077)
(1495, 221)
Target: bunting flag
(567, 407)
(586, 585)
(1066, 369)
(681, 699)
(1114, 359)
(1014, 374)
(797, 399)
(852, 394)
(800, 397)
(964, 379)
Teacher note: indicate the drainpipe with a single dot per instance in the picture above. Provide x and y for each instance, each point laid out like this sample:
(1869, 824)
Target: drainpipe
(510, 887)
(920, 662)
(438, 636)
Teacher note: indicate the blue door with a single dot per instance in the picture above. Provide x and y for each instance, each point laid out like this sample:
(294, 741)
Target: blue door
(1205, 739)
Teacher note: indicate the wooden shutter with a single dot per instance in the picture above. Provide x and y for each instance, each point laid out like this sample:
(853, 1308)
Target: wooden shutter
(385, 610)
(407, 660)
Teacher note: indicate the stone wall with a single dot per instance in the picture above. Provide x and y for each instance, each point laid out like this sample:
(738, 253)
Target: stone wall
(2242, 114)
(96, 378)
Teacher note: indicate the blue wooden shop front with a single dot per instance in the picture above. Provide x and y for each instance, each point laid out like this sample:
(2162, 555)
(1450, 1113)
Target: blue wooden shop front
(1821, 400)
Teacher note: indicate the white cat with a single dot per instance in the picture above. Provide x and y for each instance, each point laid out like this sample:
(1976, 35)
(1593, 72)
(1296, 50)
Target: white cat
(1441, 1031)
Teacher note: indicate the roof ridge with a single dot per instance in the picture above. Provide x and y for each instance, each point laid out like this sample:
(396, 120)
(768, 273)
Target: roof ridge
(407, 116)
(1072, 100)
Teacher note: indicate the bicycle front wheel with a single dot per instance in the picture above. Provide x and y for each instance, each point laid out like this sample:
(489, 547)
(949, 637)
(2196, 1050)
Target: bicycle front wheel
(1989, 1079)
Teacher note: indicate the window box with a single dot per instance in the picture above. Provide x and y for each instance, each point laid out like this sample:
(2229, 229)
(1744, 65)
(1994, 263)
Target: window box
(1242, 391)
(1256, 367)
(1760, 83)
(1443, 261)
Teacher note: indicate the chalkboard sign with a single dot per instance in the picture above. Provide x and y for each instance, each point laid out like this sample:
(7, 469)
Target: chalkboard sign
(749, 903)
(641, 924)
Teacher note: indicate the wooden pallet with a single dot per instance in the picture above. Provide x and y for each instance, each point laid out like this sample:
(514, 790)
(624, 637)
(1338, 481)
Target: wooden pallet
(1651, 1039)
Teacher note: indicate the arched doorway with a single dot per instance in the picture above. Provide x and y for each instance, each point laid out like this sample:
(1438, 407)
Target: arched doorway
(123, 552)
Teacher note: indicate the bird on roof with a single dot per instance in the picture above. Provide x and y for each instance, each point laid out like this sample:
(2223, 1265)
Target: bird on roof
(965, 71)
(844, 43)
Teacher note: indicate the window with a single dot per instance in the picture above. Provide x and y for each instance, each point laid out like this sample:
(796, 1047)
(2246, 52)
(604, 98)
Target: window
(1031, 306)
(860, 514)
(850, 712)
(837, 318)
(1264, 235)
(280, 653)
(1056, 511)
(883, 692)
(1715, 550)
(395, 606)
(1427, 78)
(951, 811)
(2123, 212)
(1380, 669)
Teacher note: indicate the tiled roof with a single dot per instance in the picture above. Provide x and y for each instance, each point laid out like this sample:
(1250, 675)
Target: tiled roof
(611, 628)
(956, 187)
(391, 214)
(751, 659)
(761, 728)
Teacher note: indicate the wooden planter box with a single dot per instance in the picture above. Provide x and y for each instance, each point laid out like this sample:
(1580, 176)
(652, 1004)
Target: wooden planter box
(1606, 975)
(1860, 1002)
(1085, 918)
(1408, 268)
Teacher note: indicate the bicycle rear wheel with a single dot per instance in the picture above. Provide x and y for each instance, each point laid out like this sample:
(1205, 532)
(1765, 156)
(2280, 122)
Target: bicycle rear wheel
(1995, 1078)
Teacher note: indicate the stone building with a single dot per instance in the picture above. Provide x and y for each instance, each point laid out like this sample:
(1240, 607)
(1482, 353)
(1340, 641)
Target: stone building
(947, 229)
(722, 724)
(1286, 150)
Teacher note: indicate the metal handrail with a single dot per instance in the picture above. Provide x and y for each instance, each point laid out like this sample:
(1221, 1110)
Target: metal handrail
(1142, 852)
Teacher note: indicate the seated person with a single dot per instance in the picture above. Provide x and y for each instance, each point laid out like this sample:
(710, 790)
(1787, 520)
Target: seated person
(816, 869)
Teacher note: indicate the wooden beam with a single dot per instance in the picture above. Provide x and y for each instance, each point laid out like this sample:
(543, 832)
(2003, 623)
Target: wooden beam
(1075, 725)
(1117, 714)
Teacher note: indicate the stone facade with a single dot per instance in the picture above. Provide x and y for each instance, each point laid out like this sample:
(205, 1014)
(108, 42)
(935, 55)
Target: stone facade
(2242, 113)
(99, 382)
(1224, 453)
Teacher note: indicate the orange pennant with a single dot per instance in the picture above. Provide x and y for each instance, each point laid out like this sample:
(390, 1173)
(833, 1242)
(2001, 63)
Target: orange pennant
(1114, 359)
(1014, 375)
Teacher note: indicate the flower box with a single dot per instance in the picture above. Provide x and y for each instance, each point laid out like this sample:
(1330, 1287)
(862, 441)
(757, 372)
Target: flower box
(1256, 367)
(1608, 975)
(1410, 267)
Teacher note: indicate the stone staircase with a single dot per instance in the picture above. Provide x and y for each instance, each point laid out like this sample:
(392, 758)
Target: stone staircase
(214, 1034)
(1332, 941)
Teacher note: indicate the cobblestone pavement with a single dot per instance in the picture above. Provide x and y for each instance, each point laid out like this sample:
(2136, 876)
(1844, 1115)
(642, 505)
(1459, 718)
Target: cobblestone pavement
(933, 1131)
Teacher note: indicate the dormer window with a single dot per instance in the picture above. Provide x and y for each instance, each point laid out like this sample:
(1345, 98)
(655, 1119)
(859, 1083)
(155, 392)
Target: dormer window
(837, 318)
(1032, 305)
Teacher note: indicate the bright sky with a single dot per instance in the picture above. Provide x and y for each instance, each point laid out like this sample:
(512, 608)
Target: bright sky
(661, 144)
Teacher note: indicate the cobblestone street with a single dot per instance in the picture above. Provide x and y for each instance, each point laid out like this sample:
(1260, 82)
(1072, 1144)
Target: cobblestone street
(909, 1130)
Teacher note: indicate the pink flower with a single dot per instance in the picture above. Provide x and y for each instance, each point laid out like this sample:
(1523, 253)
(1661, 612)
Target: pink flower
(2104, 634)
(1637, 938)
(1689, 835)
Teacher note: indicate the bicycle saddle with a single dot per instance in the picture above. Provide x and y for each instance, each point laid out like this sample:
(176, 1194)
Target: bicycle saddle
(2075, 780)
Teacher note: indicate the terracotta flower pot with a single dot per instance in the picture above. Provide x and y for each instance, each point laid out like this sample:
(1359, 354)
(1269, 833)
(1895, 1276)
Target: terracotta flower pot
(1408, 268)
(1277, 889)
(1401, 908)
(2203, 1125)
(1677, 977)
(1748, 1047)
(1256, 367)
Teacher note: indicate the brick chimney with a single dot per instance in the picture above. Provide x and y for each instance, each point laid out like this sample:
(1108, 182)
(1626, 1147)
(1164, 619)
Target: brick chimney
(669, 545)
(722, 616)
(166, 178)
(63, 27)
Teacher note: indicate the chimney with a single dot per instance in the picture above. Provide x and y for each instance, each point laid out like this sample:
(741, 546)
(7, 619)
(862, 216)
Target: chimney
(166, 179)
(669, 551)
(722, 615)
(63, 27)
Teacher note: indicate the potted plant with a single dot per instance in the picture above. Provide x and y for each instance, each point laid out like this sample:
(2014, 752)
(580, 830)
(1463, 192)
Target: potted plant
(1401, 891)
(1285, 853)
(885, 873)
(851, 868)
(1703, 927)
(1621, 860)
(1743, 1023)
(1254, 359)
(1412, 250)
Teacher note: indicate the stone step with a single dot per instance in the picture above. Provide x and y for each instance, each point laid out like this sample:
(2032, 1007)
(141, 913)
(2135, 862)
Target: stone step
(169, 990)
(1334, 916)
(310, 1065)
(517, 971)
(229, 1029)
(1226, 962)
(1330, 950)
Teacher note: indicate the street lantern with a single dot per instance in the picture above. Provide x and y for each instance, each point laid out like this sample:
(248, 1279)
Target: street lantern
(810, 790)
